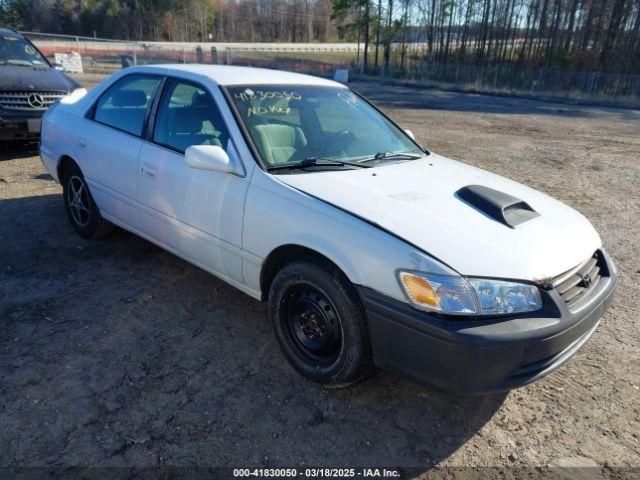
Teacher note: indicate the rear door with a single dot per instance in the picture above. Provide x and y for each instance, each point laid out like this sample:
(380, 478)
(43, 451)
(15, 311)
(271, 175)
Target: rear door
(110, 142)
(196, 213)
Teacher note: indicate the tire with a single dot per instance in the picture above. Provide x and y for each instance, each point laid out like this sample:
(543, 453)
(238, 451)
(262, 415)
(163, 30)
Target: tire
(82, 210)
(320, 323)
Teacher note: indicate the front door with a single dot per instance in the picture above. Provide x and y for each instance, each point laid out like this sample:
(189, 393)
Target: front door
(196, 213)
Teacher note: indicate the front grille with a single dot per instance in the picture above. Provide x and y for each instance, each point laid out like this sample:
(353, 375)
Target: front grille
(577, 283)
(29, 101)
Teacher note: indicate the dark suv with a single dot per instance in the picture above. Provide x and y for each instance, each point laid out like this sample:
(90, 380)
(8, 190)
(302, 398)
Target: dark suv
(29, 84)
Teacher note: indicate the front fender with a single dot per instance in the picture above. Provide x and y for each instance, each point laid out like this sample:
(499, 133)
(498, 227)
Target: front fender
(277, 214)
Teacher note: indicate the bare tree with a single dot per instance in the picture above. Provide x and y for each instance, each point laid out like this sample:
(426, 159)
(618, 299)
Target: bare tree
(575, 35)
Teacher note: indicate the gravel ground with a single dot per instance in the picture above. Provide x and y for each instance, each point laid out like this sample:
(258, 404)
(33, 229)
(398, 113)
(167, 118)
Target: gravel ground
(114, 352)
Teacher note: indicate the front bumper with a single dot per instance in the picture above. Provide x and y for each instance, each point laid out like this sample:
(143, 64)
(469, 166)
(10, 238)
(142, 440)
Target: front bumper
(481, 356)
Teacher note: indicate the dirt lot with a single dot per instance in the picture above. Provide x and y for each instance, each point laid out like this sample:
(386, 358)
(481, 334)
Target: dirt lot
(116, 353)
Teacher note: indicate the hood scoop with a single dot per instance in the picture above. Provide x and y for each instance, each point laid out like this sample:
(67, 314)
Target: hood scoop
(508, 210)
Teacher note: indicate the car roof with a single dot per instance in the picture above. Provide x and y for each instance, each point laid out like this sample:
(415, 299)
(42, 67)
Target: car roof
(232, 75)
(8, 31)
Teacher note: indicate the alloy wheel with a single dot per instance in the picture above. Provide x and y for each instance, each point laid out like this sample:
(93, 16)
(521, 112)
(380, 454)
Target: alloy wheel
(78, 199)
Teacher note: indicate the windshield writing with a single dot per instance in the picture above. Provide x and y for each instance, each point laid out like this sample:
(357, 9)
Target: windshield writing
(289, 124)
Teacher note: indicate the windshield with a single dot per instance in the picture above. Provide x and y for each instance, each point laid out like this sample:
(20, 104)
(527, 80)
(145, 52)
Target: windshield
(292, 124)
(18, 51)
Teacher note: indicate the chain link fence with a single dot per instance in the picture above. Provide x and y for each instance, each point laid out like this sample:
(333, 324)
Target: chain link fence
(315, 61)
(104, 56)
(541, 81)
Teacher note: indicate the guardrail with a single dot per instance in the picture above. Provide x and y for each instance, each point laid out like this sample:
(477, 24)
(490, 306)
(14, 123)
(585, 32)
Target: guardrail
(101, 55)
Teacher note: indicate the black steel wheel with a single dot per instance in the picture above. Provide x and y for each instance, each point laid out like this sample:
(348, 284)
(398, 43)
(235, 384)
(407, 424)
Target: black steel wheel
(311, 325)
(320, 323)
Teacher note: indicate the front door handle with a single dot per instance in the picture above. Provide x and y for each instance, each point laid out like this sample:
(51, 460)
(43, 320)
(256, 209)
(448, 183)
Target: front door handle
(148, 170)
(82, 142)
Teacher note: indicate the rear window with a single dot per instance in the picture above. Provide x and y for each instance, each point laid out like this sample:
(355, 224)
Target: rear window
(124, 105)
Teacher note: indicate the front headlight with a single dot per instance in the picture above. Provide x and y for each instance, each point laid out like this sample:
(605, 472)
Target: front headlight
(456, 295)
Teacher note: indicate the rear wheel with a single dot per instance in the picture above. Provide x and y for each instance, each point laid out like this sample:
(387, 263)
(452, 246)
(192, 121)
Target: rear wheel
(320, 323)
(81, 209)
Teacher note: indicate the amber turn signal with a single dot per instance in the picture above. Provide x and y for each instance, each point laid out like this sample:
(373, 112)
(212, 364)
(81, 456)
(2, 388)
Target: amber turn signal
(420, 290)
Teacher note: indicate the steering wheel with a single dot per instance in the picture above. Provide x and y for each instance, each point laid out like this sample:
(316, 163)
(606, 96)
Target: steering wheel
(339, 141)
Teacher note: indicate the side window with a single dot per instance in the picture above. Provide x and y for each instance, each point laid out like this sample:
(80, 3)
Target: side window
(124, 105)
(187, 115)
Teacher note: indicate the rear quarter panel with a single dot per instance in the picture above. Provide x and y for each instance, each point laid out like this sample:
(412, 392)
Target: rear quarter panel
(57, 137)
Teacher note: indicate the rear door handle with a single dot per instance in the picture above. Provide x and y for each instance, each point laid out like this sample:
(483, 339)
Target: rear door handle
(82, 142)
(148, 170)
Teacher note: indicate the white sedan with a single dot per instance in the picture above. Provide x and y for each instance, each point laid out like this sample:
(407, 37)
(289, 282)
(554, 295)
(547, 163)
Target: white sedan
(370, 250)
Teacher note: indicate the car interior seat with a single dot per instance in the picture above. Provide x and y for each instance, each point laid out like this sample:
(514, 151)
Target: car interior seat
(193, 124)
(278, 142)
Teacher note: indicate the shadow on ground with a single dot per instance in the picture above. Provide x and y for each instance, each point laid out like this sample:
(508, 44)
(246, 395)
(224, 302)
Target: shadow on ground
(16, 150)
(115, 352)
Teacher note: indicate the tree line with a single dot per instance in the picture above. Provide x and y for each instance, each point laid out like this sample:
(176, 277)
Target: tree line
(176, 20)
(581, 35)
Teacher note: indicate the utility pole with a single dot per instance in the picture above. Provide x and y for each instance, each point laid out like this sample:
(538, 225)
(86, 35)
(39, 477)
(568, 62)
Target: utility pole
(221, 22)
(359, 34)
(389, 40)
(367, 17)
(378, 32)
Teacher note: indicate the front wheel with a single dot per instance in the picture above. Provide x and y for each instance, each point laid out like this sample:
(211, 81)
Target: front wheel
(81, 209)
(320, 323)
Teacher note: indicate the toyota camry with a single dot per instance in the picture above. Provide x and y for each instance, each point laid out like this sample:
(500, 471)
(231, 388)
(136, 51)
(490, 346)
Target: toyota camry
(371, 250)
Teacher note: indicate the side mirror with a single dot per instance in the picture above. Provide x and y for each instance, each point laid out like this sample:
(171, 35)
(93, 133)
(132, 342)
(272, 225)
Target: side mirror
(410, 134)
(58, 66)
(341, 75)
(208, 157)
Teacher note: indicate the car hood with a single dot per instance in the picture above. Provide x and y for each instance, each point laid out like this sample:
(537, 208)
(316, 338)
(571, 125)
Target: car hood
(42, 79)
(417, 201)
